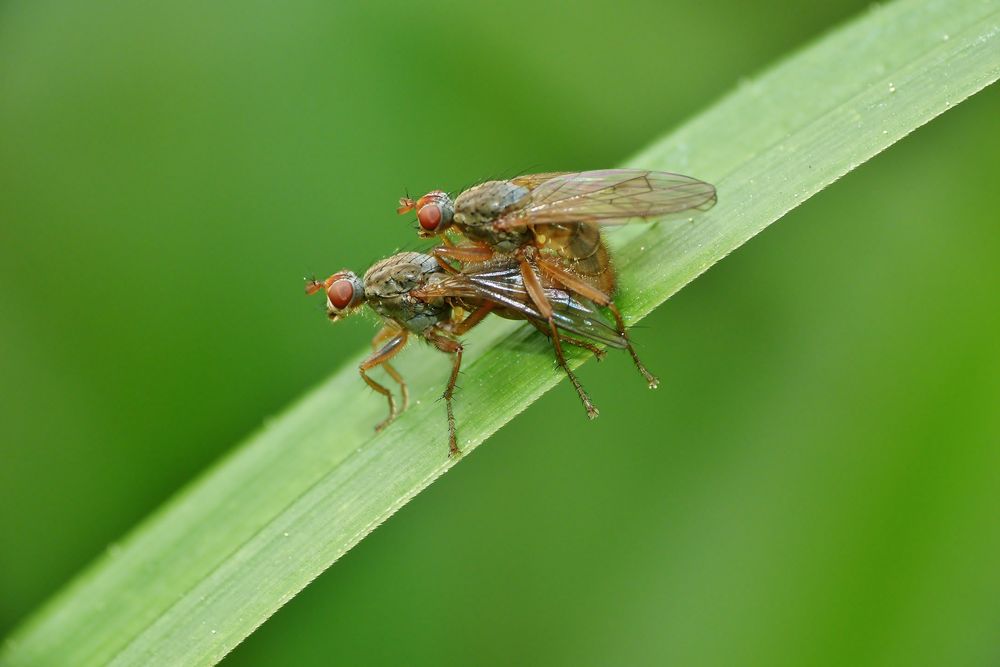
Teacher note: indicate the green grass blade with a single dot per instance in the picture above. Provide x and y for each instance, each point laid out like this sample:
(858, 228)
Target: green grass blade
(202, 573)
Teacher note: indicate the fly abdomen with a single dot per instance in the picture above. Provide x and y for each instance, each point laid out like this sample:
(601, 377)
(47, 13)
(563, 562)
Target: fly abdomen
(582, 248)
(583, 242)
(598, 269)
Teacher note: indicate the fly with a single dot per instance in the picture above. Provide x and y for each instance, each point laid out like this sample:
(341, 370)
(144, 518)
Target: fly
(550, 224)
(414, 295)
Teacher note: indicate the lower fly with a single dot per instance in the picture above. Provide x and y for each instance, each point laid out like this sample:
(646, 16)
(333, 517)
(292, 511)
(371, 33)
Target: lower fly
(414, 295)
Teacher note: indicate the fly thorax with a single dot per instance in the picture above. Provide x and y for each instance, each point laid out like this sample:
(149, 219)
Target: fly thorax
(388, 285)
(399, 274)
(412, 313)
(479, 207)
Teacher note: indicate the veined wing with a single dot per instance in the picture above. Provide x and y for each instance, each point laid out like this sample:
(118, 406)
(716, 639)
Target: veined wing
(610, 196)
(504, 286)
(532, 181)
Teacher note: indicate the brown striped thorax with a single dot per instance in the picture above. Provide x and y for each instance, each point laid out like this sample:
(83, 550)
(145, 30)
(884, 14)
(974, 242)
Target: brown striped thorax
(389, 285)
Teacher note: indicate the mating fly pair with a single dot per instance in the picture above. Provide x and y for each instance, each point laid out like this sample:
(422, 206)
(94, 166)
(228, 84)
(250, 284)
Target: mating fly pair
(529, 248)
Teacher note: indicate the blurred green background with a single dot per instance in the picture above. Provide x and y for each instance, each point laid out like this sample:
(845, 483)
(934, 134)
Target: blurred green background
(816, 481)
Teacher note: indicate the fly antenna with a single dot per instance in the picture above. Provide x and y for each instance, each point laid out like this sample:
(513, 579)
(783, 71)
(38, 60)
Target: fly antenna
(406, 205)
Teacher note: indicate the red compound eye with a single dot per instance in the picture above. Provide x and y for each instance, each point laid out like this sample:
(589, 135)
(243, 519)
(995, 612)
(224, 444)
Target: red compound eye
(340, 293)
(429, 217)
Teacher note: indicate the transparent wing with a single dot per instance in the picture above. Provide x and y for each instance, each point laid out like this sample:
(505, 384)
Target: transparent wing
(504, 286)
(610, 196)
(532, 181)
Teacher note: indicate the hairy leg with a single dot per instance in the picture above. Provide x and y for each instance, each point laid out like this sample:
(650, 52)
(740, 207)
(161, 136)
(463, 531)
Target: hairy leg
(560, 274)
(390, 349)
(443, 342)
(537, 294)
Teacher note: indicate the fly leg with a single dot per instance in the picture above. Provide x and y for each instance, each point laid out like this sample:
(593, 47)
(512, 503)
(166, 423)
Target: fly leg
(443, 342)
(473, 318)
(570, 281)
(576, 342)
(537, 293)
(390, 349)
(467, 253)
(593, 349)
(383, 335)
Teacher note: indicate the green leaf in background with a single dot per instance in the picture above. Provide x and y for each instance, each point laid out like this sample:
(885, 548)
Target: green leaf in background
(219, 559)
